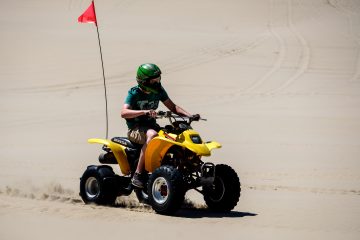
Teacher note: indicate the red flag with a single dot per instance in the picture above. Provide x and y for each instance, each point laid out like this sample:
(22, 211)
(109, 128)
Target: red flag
(89, 16)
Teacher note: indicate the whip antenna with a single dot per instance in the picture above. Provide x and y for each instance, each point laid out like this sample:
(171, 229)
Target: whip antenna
(89, 16)
(103, 72)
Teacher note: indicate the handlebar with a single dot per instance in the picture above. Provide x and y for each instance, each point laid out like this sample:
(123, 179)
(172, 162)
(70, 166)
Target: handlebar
(169, 114)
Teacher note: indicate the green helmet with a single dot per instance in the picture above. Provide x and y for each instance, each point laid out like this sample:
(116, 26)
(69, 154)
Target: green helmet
(145, 73)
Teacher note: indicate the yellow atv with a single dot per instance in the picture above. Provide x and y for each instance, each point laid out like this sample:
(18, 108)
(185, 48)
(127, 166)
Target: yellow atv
(173, 164)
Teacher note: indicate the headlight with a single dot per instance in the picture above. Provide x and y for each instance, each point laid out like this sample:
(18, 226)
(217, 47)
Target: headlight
(196, 139)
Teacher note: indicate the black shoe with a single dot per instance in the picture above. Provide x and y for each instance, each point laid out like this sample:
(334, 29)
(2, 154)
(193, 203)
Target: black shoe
(137, 181)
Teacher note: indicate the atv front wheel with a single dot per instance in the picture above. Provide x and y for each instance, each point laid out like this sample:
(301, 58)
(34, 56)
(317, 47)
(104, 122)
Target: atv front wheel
(166, 190)
(96, 186)
(225, 191)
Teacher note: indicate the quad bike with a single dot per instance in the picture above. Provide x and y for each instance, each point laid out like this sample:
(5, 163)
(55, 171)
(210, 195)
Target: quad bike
(173, 164)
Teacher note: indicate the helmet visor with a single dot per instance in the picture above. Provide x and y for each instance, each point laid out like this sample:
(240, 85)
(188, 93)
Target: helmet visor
(151, 85)
(155, 80)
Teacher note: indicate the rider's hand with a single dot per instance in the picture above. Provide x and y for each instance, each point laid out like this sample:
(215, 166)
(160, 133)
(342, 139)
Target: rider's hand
(151, 113)
(196, 117)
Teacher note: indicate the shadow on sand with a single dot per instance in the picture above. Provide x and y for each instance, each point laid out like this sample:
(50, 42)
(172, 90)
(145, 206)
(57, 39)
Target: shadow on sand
(204, 213)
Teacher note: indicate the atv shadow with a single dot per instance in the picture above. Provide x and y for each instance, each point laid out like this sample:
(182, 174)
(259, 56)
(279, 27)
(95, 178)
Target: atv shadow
(205, 213)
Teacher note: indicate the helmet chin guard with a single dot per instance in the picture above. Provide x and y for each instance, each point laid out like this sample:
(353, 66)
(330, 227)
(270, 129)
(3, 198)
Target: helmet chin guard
(153, 88)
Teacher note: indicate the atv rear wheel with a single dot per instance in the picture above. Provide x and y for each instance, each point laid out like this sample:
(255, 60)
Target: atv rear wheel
(225, 192)
(166, 190)
(95, 186)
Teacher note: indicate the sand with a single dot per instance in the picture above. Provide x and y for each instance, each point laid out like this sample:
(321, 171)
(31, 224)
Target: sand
(278, 81)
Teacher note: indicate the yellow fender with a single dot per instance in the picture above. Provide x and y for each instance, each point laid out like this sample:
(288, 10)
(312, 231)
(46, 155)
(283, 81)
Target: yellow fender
(119, 152)
(212, 145)
(155, 152)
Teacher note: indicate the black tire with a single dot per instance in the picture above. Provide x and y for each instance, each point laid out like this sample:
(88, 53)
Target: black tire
(166, 190)
(225, 193)
(142, 194)
(95, 186)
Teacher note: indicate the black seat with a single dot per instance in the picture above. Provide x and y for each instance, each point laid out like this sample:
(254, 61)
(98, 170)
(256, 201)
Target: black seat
(126, 142)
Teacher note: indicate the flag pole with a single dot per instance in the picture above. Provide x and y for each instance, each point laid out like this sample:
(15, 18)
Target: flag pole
(103, 73)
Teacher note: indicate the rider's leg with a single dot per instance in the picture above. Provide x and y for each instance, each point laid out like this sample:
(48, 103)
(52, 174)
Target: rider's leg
(150, 134)
(136, 180)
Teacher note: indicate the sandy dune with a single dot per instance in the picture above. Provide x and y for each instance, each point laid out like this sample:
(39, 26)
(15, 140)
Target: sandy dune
(278, 81)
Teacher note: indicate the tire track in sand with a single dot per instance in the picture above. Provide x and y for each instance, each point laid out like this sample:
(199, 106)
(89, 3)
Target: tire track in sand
(198, 56)
(315, 190)
(281, 56)
(56, 193)
(349, 16)
(305, 49)
(211, 53)
(121, 79)
(283, 51)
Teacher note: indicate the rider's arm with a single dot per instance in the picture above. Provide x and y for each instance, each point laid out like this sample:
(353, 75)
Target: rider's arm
(127, 112)
(175, 108)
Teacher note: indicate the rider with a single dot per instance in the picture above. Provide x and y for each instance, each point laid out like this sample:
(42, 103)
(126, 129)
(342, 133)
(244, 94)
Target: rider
(139, 111)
